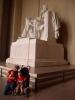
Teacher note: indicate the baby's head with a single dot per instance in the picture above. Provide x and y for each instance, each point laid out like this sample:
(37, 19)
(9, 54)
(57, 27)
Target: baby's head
(19, 74)
(12, 73)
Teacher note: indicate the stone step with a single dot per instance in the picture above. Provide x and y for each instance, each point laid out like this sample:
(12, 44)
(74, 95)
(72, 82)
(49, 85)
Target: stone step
(44, 77)
(54, 78)
(4, 70)
(48, 82)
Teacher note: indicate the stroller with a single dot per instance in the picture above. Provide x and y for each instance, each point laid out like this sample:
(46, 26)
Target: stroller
(25, 72)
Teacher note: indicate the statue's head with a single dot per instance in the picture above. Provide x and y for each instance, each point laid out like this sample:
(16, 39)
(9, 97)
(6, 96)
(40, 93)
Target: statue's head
(44, 7)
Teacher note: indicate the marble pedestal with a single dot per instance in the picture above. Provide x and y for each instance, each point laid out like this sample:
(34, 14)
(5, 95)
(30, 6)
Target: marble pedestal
(36, 53)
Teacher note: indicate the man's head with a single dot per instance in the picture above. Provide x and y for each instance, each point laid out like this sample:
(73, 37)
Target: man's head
(17, 67)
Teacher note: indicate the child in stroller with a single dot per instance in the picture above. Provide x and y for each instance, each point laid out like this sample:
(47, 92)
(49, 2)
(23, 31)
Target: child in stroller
(23, 81)
(20, 83)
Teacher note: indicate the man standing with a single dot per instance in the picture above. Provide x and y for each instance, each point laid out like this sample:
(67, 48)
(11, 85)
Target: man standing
(11, 80)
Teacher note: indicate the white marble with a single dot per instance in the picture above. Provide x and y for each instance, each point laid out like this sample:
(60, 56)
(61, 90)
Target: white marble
(36, 53)
(22, 52)
(39, 27)
(56, 25)
(18, 48)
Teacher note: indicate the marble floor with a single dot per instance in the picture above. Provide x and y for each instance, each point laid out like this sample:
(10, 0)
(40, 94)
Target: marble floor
(62, 91)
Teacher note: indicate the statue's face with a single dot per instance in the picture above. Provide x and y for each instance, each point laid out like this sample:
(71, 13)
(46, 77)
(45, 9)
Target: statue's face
(44, 7)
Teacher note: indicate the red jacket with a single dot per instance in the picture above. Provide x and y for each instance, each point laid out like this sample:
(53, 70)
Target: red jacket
(21, 79)
(11, 77)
